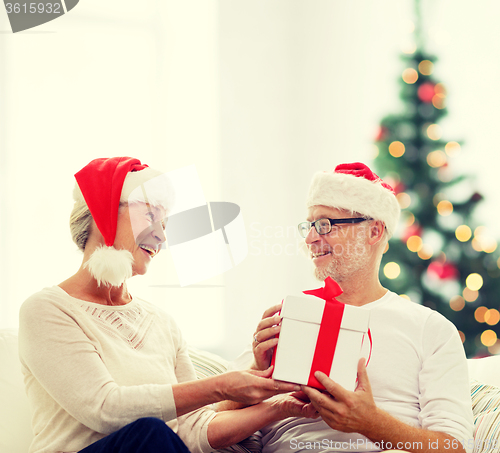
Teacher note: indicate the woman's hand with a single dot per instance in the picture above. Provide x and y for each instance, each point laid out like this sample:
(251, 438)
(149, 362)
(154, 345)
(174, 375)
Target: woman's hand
(252, 387)
(264, 339)
(232, 426)
(295, 404)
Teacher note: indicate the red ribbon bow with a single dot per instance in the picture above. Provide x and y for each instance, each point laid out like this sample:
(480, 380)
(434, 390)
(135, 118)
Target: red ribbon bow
(328, 331)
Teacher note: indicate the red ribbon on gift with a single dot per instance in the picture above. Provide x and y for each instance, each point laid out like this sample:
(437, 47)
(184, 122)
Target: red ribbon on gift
(329, 329)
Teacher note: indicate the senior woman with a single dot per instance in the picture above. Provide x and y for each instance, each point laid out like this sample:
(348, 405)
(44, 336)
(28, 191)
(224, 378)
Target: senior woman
(108, 372)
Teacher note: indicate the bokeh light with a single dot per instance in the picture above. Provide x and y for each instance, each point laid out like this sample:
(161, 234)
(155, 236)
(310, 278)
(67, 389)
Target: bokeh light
(490, 246)
(444, 207)
(436, 158)
(492, 317)
(479, 313)
(474, 282)
(437, 198)
(434, 132)
(480, 231)
(396, 149)
(409, 26)
(410, 76)
(470, 295)
(404, 200)
(440, 89)
(484, 244)
(439, 101)
(408, 47)
(426, 67)
(483, 241)
(476, 245)
(463, 233)
(452, 148)
(414, 243)
(495, 349)
(392, 270)
(426, 252)
(409, 219)
(488, 337)
(457, 303)
(445, 174)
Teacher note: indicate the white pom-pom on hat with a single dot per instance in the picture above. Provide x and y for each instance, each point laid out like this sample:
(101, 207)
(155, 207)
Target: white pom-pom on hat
(110, 266)
(356, 188)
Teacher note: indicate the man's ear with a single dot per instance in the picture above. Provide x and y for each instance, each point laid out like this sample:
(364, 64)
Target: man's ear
(376, 231)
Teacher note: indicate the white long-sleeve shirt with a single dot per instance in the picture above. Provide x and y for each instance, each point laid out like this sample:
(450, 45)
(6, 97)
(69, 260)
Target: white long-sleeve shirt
(91, 369)
(418, 373)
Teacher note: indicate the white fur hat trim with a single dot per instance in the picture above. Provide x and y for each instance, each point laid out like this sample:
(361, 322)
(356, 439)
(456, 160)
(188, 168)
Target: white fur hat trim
(110, 266)
(353, 193)
(147, 185)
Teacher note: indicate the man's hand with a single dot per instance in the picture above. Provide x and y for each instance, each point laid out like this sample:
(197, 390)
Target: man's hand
(294, 405)
(343, 410)
(264, 339)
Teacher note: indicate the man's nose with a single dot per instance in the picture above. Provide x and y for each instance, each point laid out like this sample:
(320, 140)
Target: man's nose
(312, 236)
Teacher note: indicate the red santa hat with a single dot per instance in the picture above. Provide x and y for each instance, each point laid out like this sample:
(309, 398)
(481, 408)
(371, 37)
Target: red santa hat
(102, 185)
(356, 188)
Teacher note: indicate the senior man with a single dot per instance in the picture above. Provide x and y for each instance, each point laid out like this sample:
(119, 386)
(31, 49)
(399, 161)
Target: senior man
(414, 394)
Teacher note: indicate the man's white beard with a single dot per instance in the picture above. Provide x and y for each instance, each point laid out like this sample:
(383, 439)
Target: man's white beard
(344, 265)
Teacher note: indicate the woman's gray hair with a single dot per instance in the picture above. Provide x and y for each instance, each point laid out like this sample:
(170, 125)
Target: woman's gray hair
(80, 223)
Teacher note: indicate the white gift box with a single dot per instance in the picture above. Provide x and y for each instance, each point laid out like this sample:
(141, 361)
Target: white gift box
(298, 337)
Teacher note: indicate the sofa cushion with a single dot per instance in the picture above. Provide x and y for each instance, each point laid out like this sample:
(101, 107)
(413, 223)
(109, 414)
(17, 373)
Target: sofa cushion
(485, 370)
(15, 415)
(486, 410)
(205, 363)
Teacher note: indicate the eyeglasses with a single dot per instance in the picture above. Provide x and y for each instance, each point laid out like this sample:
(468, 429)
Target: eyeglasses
(324, 226)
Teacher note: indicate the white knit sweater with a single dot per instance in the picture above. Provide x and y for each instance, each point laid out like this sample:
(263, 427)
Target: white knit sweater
(91, 369)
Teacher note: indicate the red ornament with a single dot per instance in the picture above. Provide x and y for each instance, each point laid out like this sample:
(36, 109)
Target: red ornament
(476, 197)
(442, 271)
(412, 230)
(426, 92)
(382, 133)
(398, 187)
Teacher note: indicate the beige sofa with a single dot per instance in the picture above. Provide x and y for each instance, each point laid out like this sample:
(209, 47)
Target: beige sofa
(15, 429)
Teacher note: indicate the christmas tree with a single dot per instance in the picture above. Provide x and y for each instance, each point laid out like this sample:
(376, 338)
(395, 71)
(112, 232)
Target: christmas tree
(441, 257)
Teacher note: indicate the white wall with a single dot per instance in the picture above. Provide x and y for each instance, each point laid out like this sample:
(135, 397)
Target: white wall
(258, 95)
